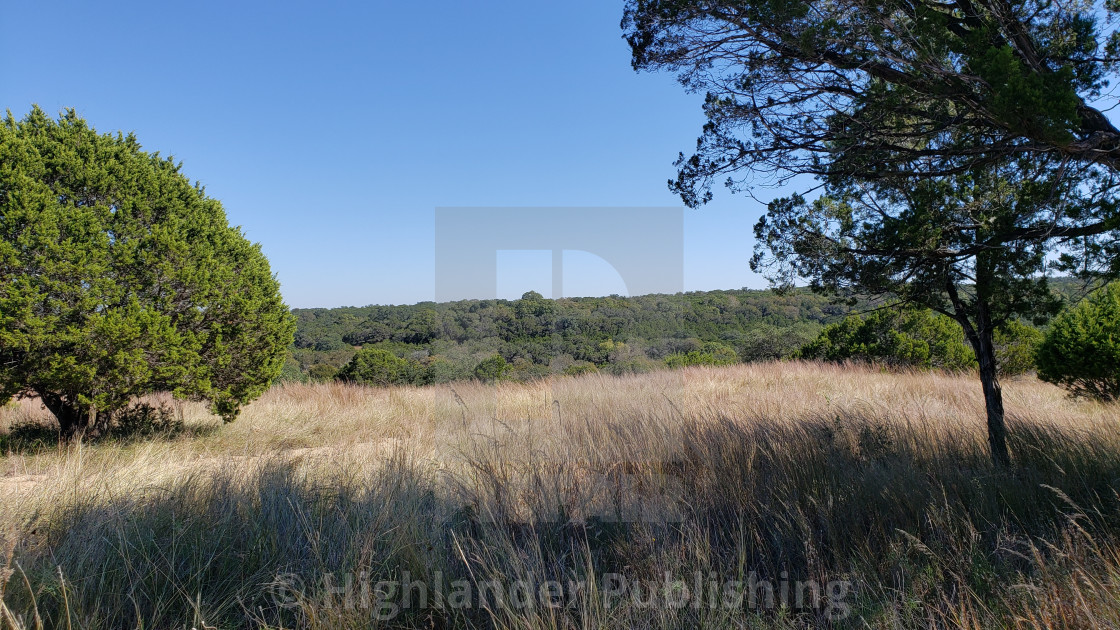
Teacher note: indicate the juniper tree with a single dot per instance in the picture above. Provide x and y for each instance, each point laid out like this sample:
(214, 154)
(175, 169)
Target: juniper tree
(977, 247)
(118, 278)
(962, 144)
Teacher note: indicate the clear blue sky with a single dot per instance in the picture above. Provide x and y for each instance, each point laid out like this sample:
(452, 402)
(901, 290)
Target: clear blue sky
(331, 131)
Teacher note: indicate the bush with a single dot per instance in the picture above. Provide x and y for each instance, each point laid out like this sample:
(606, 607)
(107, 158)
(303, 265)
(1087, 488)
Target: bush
(375, 366)
(491, 369)
(322, 372)
(1016, 346)
(291, 372)
(1081, 351)
(580, 367)
(120, 278)
(711, 353)
(900, 338)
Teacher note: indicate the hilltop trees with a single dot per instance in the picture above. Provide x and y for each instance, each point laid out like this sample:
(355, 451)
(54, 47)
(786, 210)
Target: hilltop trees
(118, 277)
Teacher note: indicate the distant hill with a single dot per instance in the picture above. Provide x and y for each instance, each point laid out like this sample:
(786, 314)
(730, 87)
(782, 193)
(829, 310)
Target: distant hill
(538, 336)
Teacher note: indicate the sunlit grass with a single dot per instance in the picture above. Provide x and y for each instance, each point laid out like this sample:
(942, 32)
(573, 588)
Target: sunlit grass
(787, 472)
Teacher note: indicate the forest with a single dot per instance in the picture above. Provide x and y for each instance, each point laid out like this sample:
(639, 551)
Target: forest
(535, 336)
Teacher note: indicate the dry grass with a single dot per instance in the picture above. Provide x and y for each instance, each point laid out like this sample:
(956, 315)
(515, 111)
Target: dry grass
(787, 474)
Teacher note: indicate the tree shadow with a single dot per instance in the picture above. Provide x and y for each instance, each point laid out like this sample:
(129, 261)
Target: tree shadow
(140, 421)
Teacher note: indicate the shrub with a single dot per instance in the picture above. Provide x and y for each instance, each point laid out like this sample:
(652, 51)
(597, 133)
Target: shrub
(901, 338)
(1016, 346)
(119, 277)
(322, 372)
(711, 353)
(1081, 351)
(580, 367)
(491, 369)
(375, 366)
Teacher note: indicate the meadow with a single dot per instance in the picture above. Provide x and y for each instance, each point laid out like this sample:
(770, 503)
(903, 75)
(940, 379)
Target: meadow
(786, 494)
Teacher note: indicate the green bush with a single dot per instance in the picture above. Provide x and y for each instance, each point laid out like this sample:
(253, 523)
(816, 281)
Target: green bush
(322, 372)
(491, 369)
(580, 367)
(1081, 351)
(291, 372)
(1016, 346)
(711, 353)
(375, 366)
(900, 338)
(119, 278)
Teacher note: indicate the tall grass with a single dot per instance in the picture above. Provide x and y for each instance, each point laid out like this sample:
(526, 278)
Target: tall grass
(773, 495)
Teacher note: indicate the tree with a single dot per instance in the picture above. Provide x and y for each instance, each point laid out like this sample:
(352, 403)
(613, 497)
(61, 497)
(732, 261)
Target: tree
(958, 144)
(1081, 351)
(976, 247)
(375, 366)
(491, 369)
(118, 278)
(895, 337)
(884, 87)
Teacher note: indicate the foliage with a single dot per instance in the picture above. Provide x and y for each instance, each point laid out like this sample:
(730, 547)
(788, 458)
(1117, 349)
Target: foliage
(958, 144)
(118, 277)
(580, 368)
(919, 338)
(291, 372)
(708, 354)
(491, 369)
(375, 366)
(894, 337)
(322, 372)
(617, 335)
(882, 88)
(1081, 351)
(1016, 346)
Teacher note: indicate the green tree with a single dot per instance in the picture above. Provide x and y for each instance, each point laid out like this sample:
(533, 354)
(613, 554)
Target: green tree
(958, 142)
(977, 247)
(882, 88)
(911, 338)
(375, 366)
(1081, 351)
(118, 278)
(491, 369)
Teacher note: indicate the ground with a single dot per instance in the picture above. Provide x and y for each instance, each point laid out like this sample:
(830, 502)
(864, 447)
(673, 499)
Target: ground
(850, 496)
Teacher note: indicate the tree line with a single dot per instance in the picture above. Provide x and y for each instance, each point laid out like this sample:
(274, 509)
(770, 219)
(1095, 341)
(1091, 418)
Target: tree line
(533, 337)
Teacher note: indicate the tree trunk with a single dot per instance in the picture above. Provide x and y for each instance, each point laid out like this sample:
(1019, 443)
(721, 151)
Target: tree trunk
(982, 339)
(71, 418)
(984, 347)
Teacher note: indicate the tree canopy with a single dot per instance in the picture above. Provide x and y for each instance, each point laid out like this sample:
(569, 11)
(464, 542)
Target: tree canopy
(890, 87)
(118, 277)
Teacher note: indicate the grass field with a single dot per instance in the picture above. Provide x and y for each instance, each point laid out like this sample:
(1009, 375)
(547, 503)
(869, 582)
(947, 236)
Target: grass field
(762, 495)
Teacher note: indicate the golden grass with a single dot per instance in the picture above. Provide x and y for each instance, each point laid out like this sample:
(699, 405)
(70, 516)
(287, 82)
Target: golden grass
(814, 472)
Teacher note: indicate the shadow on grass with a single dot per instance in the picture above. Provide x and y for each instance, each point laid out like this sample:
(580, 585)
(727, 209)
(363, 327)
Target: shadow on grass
(920, 527)
(138, 422)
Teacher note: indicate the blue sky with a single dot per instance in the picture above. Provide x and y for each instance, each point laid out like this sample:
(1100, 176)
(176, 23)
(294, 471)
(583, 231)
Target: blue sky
(332, 131)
